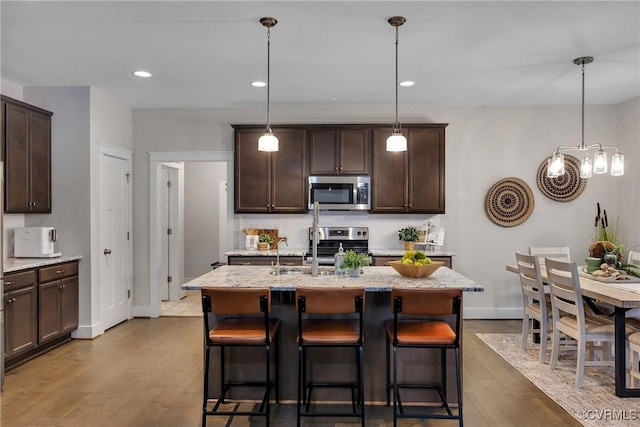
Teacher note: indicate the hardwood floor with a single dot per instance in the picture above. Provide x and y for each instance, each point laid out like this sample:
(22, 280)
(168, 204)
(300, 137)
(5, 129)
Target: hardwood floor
(147, 372)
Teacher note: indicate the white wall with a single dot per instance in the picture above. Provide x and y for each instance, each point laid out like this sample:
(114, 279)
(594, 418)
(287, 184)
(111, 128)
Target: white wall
(483, 145)
(201, 216)
(628, 193)
(82, 118)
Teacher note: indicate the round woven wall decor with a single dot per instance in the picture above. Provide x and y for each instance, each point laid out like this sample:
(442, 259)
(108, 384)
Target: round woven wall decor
(563, 188)
(510, 202)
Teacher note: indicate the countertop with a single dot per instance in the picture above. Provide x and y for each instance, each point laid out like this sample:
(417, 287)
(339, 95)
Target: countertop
(303, 252)
(17, 264)
(376, 279)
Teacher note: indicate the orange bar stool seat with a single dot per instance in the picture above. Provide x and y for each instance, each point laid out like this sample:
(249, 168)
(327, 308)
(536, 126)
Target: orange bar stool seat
(326, 320)
(242, 320)
(421, 320)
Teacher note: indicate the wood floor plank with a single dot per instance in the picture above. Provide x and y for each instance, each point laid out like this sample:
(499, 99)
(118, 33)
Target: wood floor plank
(148, 372)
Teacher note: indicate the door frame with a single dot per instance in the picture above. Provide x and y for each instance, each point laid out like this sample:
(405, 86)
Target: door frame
(126, 155)
(155, 181)
(175, 261)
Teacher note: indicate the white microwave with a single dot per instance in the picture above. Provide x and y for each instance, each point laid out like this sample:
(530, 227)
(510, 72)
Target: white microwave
(340, 192)
(35, 242)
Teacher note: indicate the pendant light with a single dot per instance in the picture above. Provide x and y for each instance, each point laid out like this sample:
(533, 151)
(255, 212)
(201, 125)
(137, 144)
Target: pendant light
(397, 141)
(555, 164)
(268, 141)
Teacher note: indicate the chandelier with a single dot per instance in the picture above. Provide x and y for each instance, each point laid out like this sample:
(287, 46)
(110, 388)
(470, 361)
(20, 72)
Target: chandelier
(555, 164)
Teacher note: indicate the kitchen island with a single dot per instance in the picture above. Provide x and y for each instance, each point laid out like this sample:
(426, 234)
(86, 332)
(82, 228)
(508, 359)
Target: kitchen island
(378, 282)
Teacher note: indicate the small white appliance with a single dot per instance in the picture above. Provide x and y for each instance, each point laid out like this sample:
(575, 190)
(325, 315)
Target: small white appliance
(35, 242)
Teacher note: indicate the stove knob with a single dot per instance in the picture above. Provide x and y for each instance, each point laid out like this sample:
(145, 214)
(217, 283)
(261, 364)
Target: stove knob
(359, 233)
(364, 233)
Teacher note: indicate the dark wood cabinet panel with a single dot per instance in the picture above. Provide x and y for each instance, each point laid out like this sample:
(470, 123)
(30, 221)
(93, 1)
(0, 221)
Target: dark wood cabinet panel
(20, 311)
(270, 182)
(49, 311)
(58, 300)
(412, 181)
(27, 154)
(340, 151)
(70, 305)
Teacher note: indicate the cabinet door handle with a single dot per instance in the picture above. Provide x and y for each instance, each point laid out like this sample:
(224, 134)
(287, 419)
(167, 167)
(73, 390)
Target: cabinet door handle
(245, 263)
(9, 282)
(410, 205)
(336, 168)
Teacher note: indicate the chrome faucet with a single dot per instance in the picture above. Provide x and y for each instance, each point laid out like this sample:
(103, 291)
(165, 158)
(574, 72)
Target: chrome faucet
(283, 240)
(314, 247)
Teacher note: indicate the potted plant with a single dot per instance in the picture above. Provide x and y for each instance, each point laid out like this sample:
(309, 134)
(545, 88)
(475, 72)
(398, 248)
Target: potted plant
(264, 241)
(605, 237)
(409, 235)
(352, 262)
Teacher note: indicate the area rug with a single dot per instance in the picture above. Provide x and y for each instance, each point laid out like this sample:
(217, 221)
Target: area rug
(189, 306)
(594, 405)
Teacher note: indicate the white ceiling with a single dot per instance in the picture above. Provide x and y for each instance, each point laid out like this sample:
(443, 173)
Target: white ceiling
(205, 53)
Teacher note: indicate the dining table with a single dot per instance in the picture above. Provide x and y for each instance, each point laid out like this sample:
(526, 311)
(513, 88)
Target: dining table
(623, 296)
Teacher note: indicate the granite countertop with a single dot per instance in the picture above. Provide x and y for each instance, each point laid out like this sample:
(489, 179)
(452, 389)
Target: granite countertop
(17, 264)
(376, 279)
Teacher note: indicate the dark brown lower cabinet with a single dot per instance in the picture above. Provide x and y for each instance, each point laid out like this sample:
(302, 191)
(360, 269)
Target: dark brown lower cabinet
(41, 310)
(265, 260)
(20, 311)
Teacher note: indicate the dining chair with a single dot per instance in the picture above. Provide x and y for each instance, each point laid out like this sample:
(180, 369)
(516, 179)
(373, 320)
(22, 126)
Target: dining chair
(561, 253)
(534, 301)
(570, 319)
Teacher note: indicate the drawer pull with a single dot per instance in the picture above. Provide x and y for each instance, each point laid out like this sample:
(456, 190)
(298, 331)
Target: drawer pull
(245, 263)
(9, 282)
(59, 271)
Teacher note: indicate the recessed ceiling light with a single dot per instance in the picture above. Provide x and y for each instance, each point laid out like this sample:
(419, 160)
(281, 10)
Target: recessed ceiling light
(258, 84)
(142, 73)
(407, 83)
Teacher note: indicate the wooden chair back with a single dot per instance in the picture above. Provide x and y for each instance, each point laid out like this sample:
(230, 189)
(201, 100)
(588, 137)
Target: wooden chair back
(227, 301)
(329, 300)
(564, 286)
(531, 281)
(560, 253)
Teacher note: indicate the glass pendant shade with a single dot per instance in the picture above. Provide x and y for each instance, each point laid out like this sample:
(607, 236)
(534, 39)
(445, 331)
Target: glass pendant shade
(555, 165)
(397, 142)
(268, 142)
(617, 165)
(585, 168)
(600, 162)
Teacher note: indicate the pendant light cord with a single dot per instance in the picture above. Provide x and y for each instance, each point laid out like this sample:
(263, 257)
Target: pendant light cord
(582, 146)
(268, 78)
(397, 124)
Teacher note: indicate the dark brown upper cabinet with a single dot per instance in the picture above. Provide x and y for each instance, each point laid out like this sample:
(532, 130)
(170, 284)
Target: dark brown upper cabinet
(412, 181)
(270, 182)
(26, 141)
(336, 151)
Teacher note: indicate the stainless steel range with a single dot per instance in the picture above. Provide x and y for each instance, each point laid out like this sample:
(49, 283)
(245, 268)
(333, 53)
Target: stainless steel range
(330, 238)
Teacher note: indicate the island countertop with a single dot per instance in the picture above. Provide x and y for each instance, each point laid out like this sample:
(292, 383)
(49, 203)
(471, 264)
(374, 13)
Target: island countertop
(375, 279)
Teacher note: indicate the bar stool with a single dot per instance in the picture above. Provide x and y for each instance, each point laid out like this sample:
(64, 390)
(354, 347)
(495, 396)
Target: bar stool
(419, 321)
(243, 329)
(318, 330)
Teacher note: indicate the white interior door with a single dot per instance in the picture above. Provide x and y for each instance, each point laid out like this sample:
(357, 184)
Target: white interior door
(115, 282)
(171, 271)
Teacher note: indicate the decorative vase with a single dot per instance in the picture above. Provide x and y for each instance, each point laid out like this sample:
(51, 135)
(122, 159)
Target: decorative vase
(263, 246)
(611, 259)
(354, 272)
(409, 246)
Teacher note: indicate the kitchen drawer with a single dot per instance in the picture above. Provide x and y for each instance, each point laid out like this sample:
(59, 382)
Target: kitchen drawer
(14, 281)
(58, 271)
(265, 260)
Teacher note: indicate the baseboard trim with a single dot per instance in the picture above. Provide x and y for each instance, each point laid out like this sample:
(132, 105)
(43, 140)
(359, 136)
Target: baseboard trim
(142, 311)
(492, 313)
(87, 332)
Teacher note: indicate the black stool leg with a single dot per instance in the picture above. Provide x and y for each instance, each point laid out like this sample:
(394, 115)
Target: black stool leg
(388, 376)
(277, 362)
(205, 391)
(300, 388)
(395, 386)
(443, 361)
(459, 385)
(222, 371)
(268, 383)
(360, 383)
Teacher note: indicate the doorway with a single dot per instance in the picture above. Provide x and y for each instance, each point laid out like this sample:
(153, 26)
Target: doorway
(172, 227)
(198, 218)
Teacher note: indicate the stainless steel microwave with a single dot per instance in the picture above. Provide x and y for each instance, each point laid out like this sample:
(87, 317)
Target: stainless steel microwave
(340, 192)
